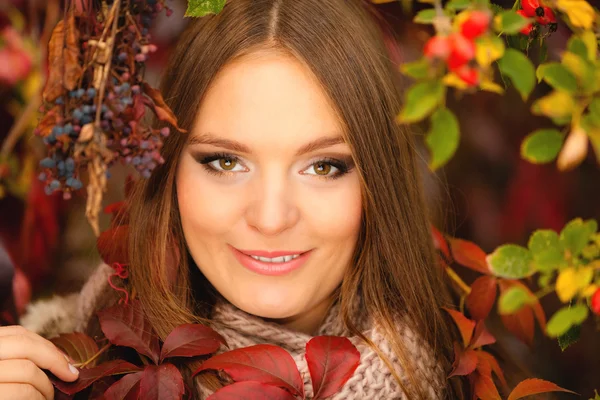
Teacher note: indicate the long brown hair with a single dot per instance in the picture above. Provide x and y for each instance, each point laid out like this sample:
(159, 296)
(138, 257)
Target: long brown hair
(394, 271)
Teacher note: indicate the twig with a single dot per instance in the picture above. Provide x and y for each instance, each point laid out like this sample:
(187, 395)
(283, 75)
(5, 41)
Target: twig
(94, 357)
(466, 288)
(20, 127)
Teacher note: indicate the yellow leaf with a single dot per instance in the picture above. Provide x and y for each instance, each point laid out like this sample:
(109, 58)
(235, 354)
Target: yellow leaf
(571, 281)
(491, 87)
(460, 19)
(453, 80)
(580, 13)
(582, 70)
(488, 49)
(558, 104)
(589, 38)
(589, 291)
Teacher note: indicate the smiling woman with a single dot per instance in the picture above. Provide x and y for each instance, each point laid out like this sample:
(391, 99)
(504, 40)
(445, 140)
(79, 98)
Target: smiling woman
(294, 199)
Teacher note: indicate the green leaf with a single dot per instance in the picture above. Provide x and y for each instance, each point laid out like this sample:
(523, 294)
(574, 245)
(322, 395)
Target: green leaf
(442, 138)
(458, 4)
(511, 261)
(557, 76)
(570, 337)
(547, 251)
(425, 16)
(510, 22)
(418, 70)
(589, 38)
(200, 8)
(542, 146)
(512, 300)
(565, 318)
(576, 235)
(421, 100)
(582, 69)
(577, 46)
(520, 70)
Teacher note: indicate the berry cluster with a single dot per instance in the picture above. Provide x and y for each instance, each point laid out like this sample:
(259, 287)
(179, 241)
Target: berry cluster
(457, 49)
(543, 16)
(80, 116)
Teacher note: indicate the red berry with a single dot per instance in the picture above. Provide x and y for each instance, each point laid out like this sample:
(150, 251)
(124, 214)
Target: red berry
(596, 302)
(529, 27)
(476, 25)
(532, 8)
(547, 17)
(462, 51)
(437, 47)
(468, 74)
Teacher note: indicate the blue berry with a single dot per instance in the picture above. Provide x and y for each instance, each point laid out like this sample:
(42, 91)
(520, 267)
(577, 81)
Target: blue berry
(125, 86)
(50, 139)
(70, 164)
(136, 160)
(59, 101)
(144, 145)
(80, 92)
(122, 56)
(87, 109)
(146, 174)
(42, 176)
(86, 120)
(91, 92)
(73, 93)
(77, 114)
(54, 185)
(57, 130)
(48, 190)
(74, 183)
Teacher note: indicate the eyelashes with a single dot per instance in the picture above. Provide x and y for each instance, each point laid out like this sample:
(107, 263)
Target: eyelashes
(227, 164)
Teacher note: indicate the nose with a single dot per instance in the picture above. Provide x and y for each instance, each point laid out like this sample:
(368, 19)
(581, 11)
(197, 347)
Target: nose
(272, 208)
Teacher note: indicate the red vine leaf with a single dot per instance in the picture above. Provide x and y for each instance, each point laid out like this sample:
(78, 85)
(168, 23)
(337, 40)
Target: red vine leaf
(535, 305)
(532, 386)
(488, 364)
(161, 382)
(263, 363)
(464, 362)
(118, 211)
(440, 243)
(126, 388)
(160, 108)
(331, 360)
(465, 325)
(100, 386)
(469, 255)
(251, 390)
(521, 323)
(78, 346)
(91, 375)
(481, 336)
(112, 245)
(191, 340)
(482, 297)
(484, 388)
(126, 325)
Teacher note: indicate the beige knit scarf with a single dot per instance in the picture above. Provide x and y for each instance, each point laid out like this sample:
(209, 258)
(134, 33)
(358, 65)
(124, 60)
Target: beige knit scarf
(372, 380)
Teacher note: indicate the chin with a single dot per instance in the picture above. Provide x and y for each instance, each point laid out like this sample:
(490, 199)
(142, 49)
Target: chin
(268, 305)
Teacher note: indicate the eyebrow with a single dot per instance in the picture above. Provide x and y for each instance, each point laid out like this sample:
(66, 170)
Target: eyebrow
(233, 145)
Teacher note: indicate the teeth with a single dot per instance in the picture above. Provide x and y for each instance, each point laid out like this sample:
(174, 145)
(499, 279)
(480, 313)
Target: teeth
(276, 259)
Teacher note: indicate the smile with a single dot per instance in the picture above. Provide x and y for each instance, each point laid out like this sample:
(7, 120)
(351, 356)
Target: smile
(270, 263)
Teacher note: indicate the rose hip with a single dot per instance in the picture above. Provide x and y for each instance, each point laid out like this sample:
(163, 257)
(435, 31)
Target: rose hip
(476, 24)
(462, 51)
(437, 47)
(529, 27)
(595, 303)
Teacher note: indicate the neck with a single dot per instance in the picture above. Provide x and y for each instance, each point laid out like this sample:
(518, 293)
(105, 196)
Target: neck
(308, 322)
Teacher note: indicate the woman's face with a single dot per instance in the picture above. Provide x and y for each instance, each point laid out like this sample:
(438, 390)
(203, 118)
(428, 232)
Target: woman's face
(267, 174)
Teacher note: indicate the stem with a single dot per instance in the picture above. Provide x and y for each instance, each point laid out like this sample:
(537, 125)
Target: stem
(466, 288)
(20, 127)
(94, 357)
(544, 291)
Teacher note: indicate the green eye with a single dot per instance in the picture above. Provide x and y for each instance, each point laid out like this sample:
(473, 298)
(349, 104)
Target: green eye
(227, 164)
(322, 168)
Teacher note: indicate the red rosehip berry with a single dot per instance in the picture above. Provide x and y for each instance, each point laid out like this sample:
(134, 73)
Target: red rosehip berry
(532, 8)
(476, 24)
(437, 47)
(596, 302)
(468, 74)
(462, 51)
(547, 17)
(529, 27)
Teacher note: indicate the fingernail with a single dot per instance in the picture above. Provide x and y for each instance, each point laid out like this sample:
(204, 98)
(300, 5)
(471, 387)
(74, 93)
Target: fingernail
(74, 370)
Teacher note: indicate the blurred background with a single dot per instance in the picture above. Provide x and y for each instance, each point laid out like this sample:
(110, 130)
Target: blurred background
(486, 194)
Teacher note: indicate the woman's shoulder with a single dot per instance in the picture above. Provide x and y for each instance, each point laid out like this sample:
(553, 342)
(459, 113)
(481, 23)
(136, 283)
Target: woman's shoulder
(68, 313)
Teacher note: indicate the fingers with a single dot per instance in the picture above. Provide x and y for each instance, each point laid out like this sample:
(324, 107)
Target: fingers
(19, 391)
(42, 353)
(26, 372)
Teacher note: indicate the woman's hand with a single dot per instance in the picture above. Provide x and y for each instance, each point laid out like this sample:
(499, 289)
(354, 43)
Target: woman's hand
(23, 355)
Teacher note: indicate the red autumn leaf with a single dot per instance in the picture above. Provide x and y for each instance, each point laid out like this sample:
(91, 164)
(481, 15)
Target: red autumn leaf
(91, 375)
(465, 325)
(191, 340)
(440, 242)
(538, 311)
(112, 245)
(251, 390)
(482, 297)
(126, 388)
(160, 108)
(484, 388)
(532, 386)
(488, 364)
(118, 211)
(264, 363)
(78, 346)
(331, 360)
(521, 323)
(481, 336)
(464, 362)
(161, 382)
(100, 386)
(469, 255)
(126, 325)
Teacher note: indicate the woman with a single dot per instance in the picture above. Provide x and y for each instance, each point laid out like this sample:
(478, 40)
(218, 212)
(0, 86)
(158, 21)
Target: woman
(294, 199)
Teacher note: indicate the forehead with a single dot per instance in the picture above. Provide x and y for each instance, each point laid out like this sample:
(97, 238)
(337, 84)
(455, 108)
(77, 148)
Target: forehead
(267, 96)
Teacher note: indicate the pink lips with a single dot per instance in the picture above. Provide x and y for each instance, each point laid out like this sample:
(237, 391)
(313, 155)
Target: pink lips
(267, 268)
